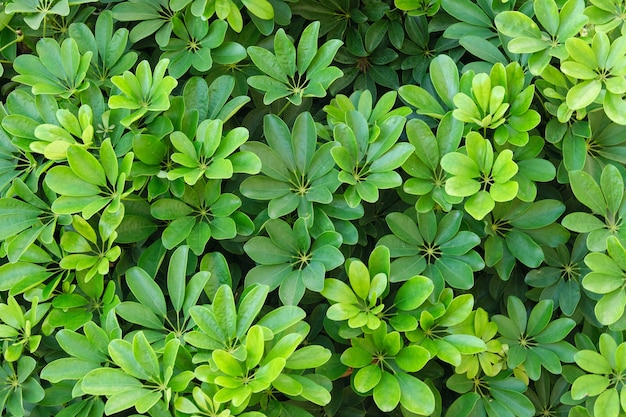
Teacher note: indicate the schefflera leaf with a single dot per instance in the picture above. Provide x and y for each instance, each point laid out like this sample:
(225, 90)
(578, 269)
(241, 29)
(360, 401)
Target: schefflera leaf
(54, 139)
(476, 174)
(427, 177)
(202, 212)
(383, 365)
(84, 352)
(141, 377)
(438, 330)
(606, 202)
(144, 91)
(245, 358)
(608, 277)
(26, 219)
(276, 363)
(290, 260)
(599, 69)
(517, 230)
(224, 324)
(110, 55)
(295, 73)
(498, 101)
(535, 340)
(195, 38)
(599, 365)
(434, 246)
(532, 168)
(358, 303)
(211, 154)
(542, 45)
(296, 173)
(88, 250)
(560, 278)
(444, 75)
(57, 70)
(88, 184)
(228, 10)
(368, 157)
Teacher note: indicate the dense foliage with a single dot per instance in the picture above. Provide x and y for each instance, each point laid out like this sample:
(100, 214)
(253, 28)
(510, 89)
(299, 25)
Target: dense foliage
(313, 208)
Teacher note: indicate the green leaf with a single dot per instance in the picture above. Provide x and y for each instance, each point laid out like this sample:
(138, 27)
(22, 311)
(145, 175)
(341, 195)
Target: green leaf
(517, 403)
(421, 99)
(466, 11)
(466, 344)
(524, 248)
(19, 276)
(479, 204)
(304, 138)
(404, 228)
(62, 180)
(307, 46)
(572, 18)
(338, 291)
(412, 358)
(86, 166)
(227, 363)
(517, 25)
(268, 63)
(254, 346)
(138, 313)
(483, 49)
(313, 391)
(445, 77)
(413, 293)
(285, 53)
(540, 214)
(539, 317)
(359, 277)
(146, 290)
(547, 13)
(589, 385)
(225, 311)
(108, 381)
(458, 310)
(464, 405)
(583, 94)
(145, 356)
(415, 395)
(81, 346)
(127, 399)
(17, 216)
(612, 186)
(249, 308)
(260, 8)
(263, 250)
(587, 191)
(556, 331)
(604, 280)
(387, 393)
(367, 378)
(122, 353)
(356, 357)
(287, 385)
(64, 369)
(608, 403)
(582, 222)
(176, 278)
(611, 307)
(312, 356)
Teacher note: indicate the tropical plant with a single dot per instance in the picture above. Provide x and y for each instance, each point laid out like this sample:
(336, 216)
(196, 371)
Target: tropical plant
(272, 208)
